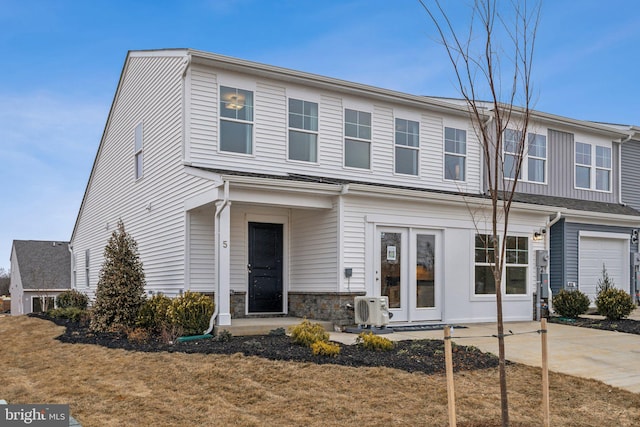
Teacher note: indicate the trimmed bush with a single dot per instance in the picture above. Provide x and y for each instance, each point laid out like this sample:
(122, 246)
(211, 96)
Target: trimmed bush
(570, 304)
(153, 313)
(323, 348)
(120, 292)
(74, 314)
(72, 298)
(369, 341)
(614, 304)
(191, 312)
(307, 333)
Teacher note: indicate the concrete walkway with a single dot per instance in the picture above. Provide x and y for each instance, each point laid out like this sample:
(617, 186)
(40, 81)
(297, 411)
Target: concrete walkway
(610, 357)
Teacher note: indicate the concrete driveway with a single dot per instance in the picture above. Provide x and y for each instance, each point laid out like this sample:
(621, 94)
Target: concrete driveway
(610, 357)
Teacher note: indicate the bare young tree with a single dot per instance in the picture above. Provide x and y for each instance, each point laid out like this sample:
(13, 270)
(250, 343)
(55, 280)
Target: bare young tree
(492, 61)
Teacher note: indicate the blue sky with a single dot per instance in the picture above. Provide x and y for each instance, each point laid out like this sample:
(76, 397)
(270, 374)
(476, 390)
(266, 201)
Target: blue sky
(61, 61)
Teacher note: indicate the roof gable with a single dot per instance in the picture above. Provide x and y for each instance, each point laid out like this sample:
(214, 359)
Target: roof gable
(43, 264)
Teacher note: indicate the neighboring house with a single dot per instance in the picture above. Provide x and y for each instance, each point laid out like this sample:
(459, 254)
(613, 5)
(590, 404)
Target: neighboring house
(288, 193)
(40, 270)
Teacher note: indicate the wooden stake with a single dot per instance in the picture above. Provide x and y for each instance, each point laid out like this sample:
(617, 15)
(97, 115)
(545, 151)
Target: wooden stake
(448, 358)
(545, 373)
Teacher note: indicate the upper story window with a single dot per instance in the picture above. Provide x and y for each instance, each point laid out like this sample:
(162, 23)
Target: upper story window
(603, 168)
(536, 157)
(303, 130)
(585, 178)
(455, 154)
(516, 265)
(407, 146)
(357, 141)
(137, 148)
(511, 153)
(236, 120)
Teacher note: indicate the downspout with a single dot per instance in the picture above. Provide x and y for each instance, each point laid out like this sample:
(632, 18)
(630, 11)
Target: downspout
(225, 202)
(547, 238)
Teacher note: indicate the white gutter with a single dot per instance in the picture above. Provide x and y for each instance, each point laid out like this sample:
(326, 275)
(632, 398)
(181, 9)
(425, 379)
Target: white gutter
(225, 203)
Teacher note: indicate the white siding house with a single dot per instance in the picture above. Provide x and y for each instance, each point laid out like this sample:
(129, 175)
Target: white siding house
(288, 193)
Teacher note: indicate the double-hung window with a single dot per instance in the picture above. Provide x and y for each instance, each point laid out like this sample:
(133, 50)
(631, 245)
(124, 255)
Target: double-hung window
(236, 120)
(588, 175)
(603, 168)
(583, 165)
(303, 130)
(516, 265)
(455, 154)
(536, 157)
(407, 146)
(357, 141)
(138, 151)
(511, 153)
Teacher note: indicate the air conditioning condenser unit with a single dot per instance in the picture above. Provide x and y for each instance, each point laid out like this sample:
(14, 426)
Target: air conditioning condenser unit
(371, 311)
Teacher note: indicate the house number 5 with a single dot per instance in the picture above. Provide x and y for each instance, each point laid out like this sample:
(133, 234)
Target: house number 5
(225, 244)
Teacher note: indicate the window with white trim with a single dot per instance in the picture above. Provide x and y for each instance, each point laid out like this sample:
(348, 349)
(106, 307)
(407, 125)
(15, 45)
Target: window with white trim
(236, 120)
(516, 265)
(407, 146)
(511, 153)
(42, 304)
(603, 168)
(536, 158)
(303, 130)
(138, 151)
(357, 141)
(86, 267)
(455, 154)
(600, 179)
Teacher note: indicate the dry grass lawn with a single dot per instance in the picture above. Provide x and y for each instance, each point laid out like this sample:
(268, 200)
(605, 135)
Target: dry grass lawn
(108, 387)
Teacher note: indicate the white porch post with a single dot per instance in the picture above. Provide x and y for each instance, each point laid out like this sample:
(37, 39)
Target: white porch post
(224, 262)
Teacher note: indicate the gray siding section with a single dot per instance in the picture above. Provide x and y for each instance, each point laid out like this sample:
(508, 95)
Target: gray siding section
(560, 170)
(631, 173)
(556, 257)
(570, 250)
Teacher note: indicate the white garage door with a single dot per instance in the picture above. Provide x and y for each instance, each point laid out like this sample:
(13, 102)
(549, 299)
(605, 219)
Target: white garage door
(596, 251)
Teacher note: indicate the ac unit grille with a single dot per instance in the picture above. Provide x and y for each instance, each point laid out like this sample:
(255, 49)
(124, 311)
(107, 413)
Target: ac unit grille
(362, 307)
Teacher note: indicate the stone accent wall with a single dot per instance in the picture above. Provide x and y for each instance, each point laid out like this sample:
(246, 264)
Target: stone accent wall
(331, 306)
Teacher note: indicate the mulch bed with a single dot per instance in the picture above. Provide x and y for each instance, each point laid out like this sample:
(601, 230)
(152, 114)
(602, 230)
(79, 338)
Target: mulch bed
(629, 326)
(425, 356)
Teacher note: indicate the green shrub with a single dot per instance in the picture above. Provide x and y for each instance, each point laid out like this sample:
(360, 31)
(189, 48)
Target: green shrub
(74, 314)
(120, 291)
(614, 304)
(307, 333)
(323, 348)
(72, 298)
(570, 304)
(369, 341)
(191, 312)
(153, 313)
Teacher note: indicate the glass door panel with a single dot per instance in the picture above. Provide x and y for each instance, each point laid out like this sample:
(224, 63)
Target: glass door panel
(391, 268)
(425, 270)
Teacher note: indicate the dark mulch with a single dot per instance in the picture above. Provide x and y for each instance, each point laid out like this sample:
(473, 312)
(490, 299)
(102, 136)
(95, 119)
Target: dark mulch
(629, 326)
(425, 356)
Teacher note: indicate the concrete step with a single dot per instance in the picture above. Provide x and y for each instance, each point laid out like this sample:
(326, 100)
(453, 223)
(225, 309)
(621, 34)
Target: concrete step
(262, 326)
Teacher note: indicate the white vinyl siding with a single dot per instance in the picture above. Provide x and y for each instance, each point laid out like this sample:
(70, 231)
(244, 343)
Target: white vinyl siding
(201, 250)
(150, 92)
(138, 159)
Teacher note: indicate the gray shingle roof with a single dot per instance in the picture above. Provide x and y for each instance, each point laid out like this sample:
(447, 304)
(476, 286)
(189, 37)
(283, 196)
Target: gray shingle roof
(576, 204)
(43, 264)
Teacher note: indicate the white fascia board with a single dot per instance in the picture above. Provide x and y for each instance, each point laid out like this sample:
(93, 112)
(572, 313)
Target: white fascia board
(280, 198)
(239, 181)
(211, 176)
(586, 217)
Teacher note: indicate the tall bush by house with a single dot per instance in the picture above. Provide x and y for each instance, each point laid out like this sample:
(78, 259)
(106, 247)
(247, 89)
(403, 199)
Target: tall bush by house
(612, 303)
(120, 291)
